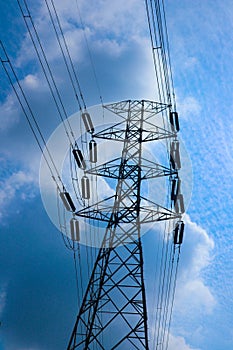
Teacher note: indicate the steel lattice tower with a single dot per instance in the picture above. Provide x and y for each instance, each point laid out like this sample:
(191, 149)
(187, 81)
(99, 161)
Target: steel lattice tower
(113, 314)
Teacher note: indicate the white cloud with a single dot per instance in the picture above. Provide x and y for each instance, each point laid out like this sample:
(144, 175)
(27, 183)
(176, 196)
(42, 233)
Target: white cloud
(111, 47)
(21, 182)
(200, 295)
(31, 81)
(9, 113)
(202, 245)
(107, 28)
(194, 298)
(119, 19)
(178, 343)
(191, 62)
(189, 107)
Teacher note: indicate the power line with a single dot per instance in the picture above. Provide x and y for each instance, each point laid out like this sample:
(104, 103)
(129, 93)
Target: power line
(41, 54)
(89, 53)
(29, 115)
(71, 70)
(173, 297)
(160, 50)
(48, 74)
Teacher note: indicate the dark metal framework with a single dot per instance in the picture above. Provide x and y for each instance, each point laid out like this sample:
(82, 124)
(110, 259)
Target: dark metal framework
(113, 314)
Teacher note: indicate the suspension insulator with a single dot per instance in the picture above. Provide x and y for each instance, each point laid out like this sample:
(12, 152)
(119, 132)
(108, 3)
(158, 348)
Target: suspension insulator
(179, 204)
(175, 155)
(175, 188)
(179, 233)
(87, 122)
(74, 230)
(85, 184)
(174, 121)
(67, 201)
(79, 158)
(93, 151)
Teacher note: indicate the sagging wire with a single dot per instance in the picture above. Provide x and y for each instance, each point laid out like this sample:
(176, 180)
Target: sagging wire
(173, 297)
(47, 69)
(75, 247)
(83, 142)
(90, 55)
(163, 73)
(74, 80)
(23, 101)
(50, 74)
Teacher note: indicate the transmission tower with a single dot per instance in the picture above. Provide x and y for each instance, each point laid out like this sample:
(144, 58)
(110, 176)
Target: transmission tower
(113, 314)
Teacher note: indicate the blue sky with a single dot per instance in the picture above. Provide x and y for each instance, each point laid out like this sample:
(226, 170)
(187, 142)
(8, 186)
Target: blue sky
(37, 285)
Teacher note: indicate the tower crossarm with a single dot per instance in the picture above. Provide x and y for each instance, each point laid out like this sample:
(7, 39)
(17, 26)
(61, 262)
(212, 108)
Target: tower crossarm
(150, 107)
(117, 133)
(149, 170)
(148, 213)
